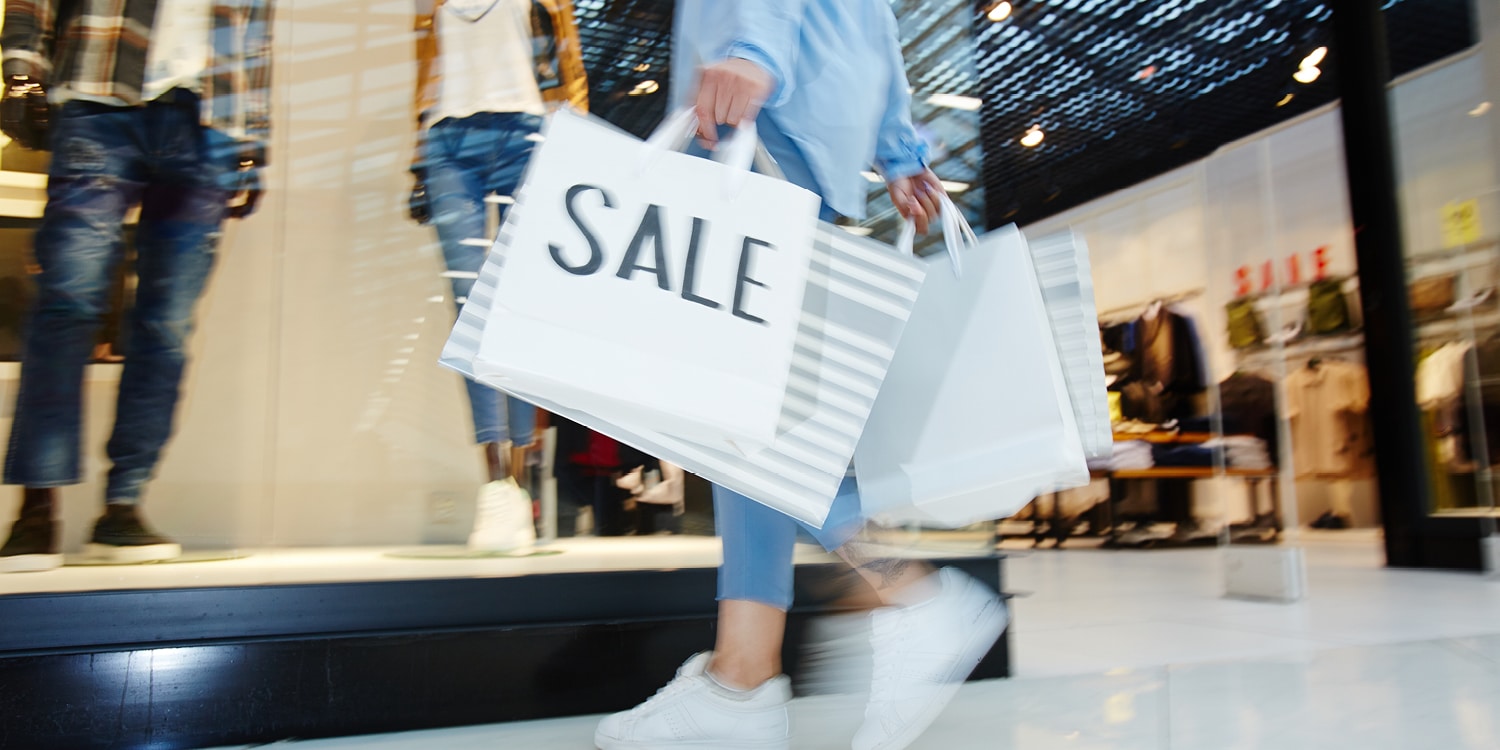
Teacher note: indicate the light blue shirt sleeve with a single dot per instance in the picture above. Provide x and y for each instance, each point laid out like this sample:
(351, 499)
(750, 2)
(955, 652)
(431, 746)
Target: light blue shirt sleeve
(899, 150)
(768, 33)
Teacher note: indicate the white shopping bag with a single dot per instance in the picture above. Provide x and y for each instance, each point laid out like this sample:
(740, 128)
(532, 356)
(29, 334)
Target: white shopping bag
(975, 419)
(855, 305)
(615, 241)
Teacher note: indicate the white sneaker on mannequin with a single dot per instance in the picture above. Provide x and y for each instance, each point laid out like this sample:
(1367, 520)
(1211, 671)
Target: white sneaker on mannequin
(694, 712)
(923, 654)
(503, 519)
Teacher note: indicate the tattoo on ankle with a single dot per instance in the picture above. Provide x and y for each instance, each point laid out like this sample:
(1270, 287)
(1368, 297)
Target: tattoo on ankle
(890, 569)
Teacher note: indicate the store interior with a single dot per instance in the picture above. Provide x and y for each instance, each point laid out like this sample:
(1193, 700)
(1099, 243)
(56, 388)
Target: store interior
(318, 440)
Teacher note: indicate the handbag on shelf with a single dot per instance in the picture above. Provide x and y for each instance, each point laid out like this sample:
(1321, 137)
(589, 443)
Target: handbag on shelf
(1328, 308)
(1432, 296)
(1246, 326)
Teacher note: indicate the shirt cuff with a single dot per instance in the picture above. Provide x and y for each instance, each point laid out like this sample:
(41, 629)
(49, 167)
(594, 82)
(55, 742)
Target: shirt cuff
(780, 92)
(909, 160)
(21, 64)
(901, 169)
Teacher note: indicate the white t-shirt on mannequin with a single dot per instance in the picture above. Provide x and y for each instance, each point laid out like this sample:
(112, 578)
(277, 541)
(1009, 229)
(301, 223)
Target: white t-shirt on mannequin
(486, 57)
(181, 45)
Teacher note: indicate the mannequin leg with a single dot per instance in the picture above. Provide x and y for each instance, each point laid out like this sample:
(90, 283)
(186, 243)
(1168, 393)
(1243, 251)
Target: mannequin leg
(178, 244)
(78, 250)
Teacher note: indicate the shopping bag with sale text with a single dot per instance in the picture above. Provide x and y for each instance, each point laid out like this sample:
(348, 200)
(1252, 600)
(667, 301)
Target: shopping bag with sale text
(623, 242)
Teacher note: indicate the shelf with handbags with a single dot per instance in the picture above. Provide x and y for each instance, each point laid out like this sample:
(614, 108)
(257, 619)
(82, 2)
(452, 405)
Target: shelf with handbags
(1321, 316)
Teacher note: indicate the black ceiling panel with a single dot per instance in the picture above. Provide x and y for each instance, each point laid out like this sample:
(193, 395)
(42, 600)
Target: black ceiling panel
(1126, 91)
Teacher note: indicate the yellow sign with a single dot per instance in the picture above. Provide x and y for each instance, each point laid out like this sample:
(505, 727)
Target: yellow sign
(1461, 224)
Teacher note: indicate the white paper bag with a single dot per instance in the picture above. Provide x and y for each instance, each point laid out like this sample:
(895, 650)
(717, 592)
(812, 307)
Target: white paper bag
(974, 420)
(613, 243)
(858, 296)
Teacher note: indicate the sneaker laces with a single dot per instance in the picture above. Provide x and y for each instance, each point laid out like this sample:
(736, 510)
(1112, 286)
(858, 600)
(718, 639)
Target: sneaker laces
(676, 687)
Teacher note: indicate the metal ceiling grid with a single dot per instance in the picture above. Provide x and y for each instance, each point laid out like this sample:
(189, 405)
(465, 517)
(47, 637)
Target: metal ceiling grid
(1125, 91)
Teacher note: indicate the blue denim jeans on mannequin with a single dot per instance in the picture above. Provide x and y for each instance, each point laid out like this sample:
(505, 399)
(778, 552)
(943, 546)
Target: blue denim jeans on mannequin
(758, 541)
(104, 161)
(466, 160)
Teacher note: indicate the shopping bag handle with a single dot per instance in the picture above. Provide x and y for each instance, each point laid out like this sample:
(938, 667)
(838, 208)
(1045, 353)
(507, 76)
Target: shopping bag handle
(740, 151)
(957, 234)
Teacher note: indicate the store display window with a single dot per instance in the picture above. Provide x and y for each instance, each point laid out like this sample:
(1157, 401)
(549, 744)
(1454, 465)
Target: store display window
(261, 400)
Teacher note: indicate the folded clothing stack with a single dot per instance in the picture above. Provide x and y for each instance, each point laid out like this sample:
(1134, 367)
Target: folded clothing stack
(1131, 455)
(1243, 451)
(1185, 455)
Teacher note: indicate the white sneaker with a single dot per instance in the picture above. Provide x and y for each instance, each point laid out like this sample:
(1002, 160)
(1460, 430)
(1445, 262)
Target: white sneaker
(693, 712)
(503, 519)
(922, 656)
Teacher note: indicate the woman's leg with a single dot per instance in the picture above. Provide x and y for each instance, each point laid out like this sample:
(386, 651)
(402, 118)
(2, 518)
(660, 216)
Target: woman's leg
(755, 589)
(894, 580)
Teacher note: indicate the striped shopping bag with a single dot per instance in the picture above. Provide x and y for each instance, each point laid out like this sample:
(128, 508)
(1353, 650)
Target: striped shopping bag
(859, 295)
(1062, 268)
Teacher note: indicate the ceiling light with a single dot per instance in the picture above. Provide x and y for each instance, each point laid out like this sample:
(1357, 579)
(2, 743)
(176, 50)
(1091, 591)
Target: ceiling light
(645, 87)
(1285, 100)
(1033, 137)
(955, 187)
(1315, 57)
(1481, 110)
(954, 101)
(643, 67)
(1307, 74)
(1000, 12)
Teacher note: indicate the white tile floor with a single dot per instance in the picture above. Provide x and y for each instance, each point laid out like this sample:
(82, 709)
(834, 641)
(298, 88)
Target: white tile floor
(1127, 651)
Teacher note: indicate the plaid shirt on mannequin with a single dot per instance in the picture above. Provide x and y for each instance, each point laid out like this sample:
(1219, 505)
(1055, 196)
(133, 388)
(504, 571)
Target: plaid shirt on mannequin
(99, 48)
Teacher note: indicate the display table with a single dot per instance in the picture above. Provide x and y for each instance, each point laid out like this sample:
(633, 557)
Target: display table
(1254, 478)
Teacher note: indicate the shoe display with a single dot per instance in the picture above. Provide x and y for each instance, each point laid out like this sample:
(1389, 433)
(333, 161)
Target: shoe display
(31, 546)
(504, 519)
(923, 654)
(122, 537)
(693, 712)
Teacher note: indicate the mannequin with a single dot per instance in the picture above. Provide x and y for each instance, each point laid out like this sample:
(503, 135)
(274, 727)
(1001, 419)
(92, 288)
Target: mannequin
(488, 70)
(176, 121)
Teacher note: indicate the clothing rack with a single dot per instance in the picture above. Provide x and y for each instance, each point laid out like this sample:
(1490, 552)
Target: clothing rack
(1131, 312)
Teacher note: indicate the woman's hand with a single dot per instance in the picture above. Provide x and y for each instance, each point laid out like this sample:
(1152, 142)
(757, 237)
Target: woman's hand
(918, 198)
(729, 93)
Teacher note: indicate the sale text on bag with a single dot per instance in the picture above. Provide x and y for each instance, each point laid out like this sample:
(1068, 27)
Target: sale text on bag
(650, 231)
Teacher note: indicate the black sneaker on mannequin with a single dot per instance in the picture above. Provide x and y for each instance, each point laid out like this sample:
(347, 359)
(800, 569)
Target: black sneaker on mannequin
(121, 536)
(31, 547)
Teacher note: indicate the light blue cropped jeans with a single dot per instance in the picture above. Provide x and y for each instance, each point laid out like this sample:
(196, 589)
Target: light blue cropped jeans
(758, 541)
